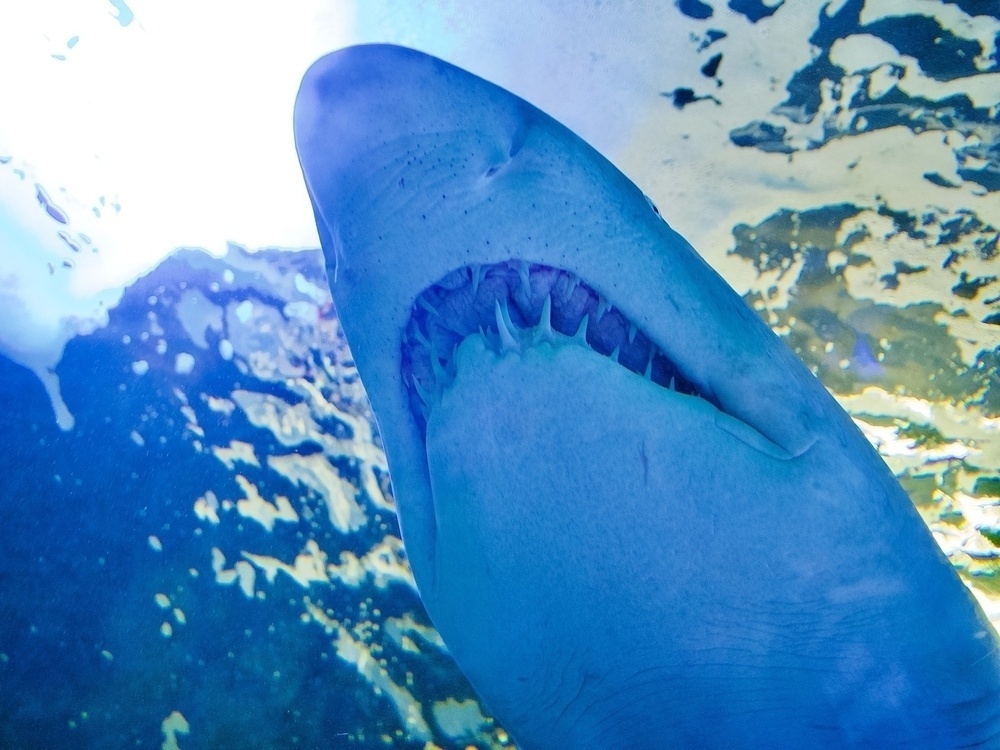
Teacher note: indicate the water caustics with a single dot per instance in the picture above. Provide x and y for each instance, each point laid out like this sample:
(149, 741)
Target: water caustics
(198, 495)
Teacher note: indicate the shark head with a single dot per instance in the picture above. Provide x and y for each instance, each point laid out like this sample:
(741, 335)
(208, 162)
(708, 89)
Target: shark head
(627, 505)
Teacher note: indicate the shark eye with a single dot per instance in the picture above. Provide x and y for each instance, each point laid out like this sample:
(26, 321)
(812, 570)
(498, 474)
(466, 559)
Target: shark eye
(652, 205)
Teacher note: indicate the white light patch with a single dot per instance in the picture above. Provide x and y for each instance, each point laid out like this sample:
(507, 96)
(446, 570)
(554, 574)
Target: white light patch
(244, 311)
(460, 720)
(186, 127)
(172, 726)
(171, 130)
(183, 364)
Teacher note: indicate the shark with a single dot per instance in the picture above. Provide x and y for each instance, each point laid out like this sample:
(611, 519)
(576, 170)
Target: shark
(634, 515)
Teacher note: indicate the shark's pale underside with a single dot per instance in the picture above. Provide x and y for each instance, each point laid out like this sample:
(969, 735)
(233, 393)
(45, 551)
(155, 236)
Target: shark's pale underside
(637, 520)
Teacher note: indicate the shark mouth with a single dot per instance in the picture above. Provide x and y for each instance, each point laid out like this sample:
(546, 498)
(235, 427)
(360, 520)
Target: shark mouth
(514, 305)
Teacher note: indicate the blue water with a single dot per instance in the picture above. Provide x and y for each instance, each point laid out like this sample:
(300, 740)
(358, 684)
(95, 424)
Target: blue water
(78, 575)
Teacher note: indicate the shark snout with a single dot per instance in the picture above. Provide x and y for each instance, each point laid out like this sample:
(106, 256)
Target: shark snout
(360, 103)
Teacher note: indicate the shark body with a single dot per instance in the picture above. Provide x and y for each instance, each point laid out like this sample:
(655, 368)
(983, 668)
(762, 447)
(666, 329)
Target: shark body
(635, 517)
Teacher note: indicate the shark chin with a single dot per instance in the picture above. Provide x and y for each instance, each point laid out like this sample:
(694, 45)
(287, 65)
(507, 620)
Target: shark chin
(635, 517)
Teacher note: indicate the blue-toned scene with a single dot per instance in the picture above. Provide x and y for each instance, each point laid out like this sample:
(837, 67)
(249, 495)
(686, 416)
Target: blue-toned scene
(546, 375)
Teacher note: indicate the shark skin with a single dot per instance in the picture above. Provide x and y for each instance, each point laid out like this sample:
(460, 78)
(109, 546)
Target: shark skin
(614, 562)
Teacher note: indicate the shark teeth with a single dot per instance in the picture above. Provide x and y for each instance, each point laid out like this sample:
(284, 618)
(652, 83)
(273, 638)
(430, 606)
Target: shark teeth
(524, 272)
(421, 338)
(602, 307)
(504, 328)
(476, 275)
(516, 305)
(426, 396)
(581, 332)
(440, 374)
(426, 305)
(543, 331)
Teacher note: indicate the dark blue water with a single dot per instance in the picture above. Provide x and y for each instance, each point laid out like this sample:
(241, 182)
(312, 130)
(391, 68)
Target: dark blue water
(84, 661)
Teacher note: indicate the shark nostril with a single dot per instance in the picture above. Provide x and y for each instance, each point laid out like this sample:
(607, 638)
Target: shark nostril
(515, 305)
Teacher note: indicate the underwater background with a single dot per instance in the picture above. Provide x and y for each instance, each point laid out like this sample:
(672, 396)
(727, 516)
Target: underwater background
(198, 547)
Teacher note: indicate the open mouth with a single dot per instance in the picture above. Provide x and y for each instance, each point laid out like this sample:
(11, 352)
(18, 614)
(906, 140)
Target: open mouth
(514, 305)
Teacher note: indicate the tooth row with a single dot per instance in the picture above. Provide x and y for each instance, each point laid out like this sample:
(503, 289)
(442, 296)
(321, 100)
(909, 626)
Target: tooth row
(510, 338)
(429, 355)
